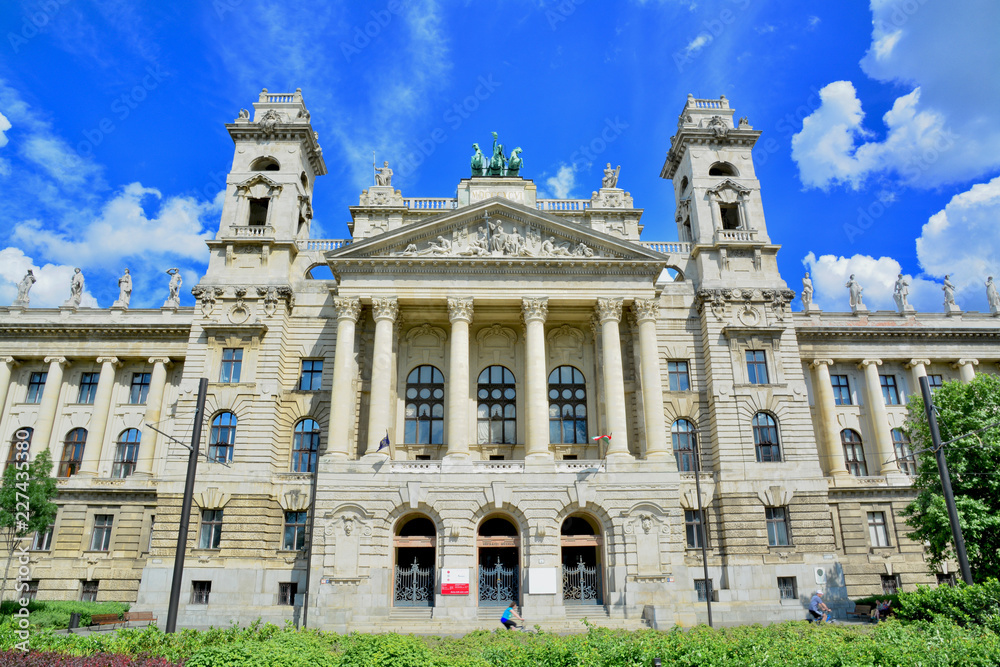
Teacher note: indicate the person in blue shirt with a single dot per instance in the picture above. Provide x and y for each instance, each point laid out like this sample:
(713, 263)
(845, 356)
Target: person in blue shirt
(818, 610)
(506, 618)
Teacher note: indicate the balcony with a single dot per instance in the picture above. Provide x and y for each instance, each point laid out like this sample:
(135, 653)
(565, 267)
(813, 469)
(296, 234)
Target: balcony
(251, 231)
(736, 236)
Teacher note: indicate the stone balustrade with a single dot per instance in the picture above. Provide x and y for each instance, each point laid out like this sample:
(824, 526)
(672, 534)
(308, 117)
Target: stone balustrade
(252, 231)
(430, 203)
(667, 247)
(562, 204)
(322, 244)
(729, 235)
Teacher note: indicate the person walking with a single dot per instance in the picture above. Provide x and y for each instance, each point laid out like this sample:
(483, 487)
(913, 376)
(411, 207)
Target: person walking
(506, 620)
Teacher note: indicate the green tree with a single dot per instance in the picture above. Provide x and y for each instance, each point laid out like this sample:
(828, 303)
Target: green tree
(25, 504)
(974, 467)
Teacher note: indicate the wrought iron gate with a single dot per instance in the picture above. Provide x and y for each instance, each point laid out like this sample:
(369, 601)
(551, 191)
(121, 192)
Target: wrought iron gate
(581, 583)
(414, 586)
(498, 584)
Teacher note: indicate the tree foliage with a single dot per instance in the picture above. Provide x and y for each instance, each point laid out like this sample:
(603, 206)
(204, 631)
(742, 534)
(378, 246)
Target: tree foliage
(25, 502)
(974, 467)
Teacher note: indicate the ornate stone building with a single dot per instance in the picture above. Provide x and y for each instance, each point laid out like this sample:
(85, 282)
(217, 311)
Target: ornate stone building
(432, 416)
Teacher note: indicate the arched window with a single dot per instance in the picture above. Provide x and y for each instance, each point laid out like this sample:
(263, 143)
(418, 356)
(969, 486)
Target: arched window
(685, 445)
(222, 437)
(265, 164)
(305, 446)
(722, 169)
(20, 435)
(684, 184)
(765, 438)
(126, 453)
(424, 424)
(567, 406)
(497, 411)
(854, 453)
(72, 456)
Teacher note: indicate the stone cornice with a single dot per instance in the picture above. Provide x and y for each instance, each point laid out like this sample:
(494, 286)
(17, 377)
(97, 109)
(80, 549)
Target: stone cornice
(703, 136)
(302, 132)
(887, 333)
(497, 265)
(141, 331)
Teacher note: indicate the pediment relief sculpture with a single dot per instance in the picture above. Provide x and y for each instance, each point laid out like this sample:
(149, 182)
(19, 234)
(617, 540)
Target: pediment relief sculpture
(497, 238)
(257, 186)
(729, 192)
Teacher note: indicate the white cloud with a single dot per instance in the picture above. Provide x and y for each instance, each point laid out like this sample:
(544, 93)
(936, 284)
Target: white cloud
(877, 277)
(813, 22)
(4, 126)
(51, 288)
(697, 44)
(62, 163)
(938, 133)
(563, 182)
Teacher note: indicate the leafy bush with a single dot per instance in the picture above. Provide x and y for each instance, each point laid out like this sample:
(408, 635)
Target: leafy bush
(975, 605)
(55, 613)
(386, 651)
(18, 658)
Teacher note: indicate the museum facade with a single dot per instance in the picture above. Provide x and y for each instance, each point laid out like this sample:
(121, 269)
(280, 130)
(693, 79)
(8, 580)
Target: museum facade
(495, 398)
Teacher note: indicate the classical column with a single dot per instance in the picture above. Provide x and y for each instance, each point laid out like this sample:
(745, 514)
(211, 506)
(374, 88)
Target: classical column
(342, 393)
(829, 429)
(385, 311)
(534, 312)
(7, 365)
(154, 403)
(646, 312)
(966, 369)
(879, 418)
(460, 316)
(609, 314)
(48, 406)
(918, 369)
(99, 419)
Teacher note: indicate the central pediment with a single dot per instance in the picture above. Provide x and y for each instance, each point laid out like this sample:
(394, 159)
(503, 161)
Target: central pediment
(496, 230)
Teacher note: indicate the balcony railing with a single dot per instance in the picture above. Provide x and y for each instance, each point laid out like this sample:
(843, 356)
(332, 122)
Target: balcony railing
(322, 244)
(667, 246)
(745, 235)
(429, 203)
(252, 231)
(562, 204)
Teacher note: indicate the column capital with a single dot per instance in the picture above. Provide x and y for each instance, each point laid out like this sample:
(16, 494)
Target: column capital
(965, 362)
(160, 360)
(348, 308)
(816, 363)
(534, 309)
(609, 310)
(460, 309)
(11, 361)
(917, 362)
(646, 309)
(114, 361)
(385, 308)
(869, 362)
(62, 361)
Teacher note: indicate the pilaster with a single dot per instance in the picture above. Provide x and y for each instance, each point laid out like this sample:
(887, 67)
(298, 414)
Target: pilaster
(48, 405)
(833, 452)
(342, 392)
(609, 314)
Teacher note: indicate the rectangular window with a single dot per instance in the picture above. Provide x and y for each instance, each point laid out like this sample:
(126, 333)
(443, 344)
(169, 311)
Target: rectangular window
(312, 375)
(730, 216)
(935, 381)
(140, 388)
(152, 527)
(497, 457)
(88, 388)
(704, 588)
(777, 526)
(787, 588)
(200, 590)
(35, 386)
(946, 579)
(904, 455)
(677, 372)
(31, 590)
(841, 390)
(295, 531)
(286, 592)
(232, 363)
(258, 211)
(877, 533)
(692, 527)
(422, 457)
(88, 591)
(101, 539)
(890, 394)
(42, 540)
(756, 367)
(211, 529)
(891, 584)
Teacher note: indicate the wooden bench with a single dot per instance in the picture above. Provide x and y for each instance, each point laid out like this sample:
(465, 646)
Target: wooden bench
(863, 611)
(104, 619)
(139, 617)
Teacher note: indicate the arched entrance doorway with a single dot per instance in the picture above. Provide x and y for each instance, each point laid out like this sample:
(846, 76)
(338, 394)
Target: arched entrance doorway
(581, 561)
(414, 544)
(499, 562)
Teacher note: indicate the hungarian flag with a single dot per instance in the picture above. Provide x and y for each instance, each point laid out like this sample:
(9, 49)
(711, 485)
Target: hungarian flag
(598, 437)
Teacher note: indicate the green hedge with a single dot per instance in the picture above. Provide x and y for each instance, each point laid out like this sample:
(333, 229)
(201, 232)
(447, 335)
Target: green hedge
(975, 605)
(55, 613)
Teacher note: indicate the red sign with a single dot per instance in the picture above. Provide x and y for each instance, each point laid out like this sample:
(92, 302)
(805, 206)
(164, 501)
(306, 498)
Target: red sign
(455, 581)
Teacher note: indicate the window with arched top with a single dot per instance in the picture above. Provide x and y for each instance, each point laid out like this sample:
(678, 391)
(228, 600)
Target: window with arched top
(222, 437)
(722, 169)
(684, 184)
(305, 446)
(496, 412)
(20, 435)
(72, 456)
(567, 406)
(126, 453)
(424, 412)
(685, 445)
(765, 438)
(265, 164)
(854, 453)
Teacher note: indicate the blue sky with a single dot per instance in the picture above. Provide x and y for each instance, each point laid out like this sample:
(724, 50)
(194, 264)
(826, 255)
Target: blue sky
(880, 151)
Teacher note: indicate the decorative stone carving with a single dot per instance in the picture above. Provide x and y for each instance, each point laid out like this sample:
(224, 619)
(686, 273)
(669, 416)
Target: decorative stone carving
(900, 292)
(124, 291)
(719, 127)
(207, 297)
(383, 175)
(460, 309)
(609, 309)
(744, 124)
(347, 307)
(426, 330)
(611, 199)
(714, 299)
(174, 288)
(244, 114)
(381, 195)
(269, 122)
(240, 312)
(534, 309)
(385, 308)
(856, 290)
(683, 211)
(610, 179)
(565, 339)
(950, 306)
(28, 280)
(748, 315)
(807, 295)
(509, 338)
(75, 289)
(992, 296)
(646, 309)
(258, 186)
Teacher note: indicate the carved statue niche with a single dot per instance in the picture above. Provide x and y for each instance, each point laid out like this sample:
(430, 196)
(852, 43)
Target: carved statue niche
(645, 523)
